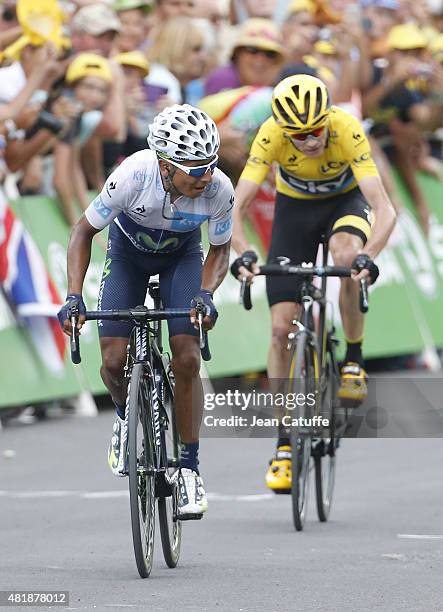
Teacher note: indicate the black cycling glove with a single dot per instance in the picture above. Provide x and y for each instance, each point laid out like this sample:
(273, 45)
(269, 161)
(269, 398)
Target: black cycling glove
(72, 300)
(246, 260)
(205, 296)
(364, 262)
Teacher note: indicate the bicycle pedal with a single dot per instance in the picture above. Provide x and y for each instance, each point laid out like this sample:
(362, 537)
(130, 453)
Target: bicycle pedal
(162, 487)
(190, 517)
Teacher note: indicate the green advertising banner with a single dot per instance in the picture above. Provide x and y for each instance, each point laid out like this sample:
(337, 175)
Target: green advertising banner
(405, 306)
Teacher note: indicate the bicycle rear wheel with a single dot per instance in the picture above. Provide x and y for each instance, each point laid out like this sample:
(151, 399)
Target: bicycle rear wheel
(301, 381)
(141, 464)
(170, 527)
(325, 449)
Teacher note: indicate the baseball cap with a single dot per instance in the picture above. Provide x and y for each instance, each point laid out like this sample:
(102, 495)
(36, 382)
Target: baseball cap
(96, 19)
(406, 36)
(88, 64)
(297, 6)
(133, 58)
(260, 33)
(127, 5)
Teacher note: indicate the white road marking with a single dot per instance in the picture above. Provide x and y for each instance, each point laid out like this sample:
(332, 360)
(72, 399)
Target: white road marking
(105, 494)
(419, 536)
(123, 493)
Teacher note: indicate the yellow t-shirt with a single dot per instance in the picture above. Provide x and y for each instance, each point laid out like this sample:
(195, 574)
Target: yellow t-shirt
(346, 159)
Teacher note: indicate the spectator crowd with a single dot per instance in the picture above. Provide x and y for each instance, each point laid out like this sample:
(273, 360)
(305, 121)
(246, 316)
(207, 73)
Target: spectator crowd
(81, 80)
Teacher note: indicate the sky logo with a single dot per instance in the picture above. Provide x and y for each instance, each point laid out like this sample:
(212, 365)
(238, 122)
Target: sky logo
(186, 222)
(103, 210)
(222, 227)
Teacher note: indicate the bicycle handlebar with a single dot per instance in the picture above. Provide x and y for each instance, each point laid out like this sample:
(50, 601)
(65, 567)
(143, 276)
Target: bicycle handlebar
(137, 315)
(306, 272)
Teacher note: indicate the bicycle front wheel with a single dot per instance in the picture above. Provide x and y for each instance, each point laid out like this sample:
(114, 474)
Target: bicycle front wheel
(301, 381)
(141, 466)
(170, 527)
(325, 448)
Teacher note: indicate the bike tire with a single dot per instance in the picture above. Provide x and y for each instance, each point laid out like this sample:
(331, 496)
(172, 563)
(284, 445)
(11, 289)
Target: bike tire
(299, 381)
(170, 527)
(325, 450)
(141, 470)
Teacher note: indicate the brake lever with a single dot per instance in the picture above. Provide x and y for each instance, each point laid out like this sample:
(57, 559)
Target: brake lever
(245, 294)
(364, 300)
(74, 340)
(203, 335)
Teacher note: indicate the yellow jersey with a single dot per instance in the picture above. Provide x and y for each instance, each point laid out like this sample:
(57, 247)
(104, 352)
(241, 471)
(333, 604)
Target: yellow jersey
(346, 159)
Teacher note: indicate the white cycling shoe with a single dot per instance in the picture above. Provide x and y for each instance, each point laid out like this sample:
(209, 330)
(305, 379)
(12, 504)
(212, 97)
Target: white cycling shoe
(192, 502)
(117, 447)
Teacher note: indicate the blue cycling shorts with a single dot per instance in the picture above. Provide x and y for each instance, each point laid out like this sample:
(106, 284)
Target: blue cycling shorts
(126, 275)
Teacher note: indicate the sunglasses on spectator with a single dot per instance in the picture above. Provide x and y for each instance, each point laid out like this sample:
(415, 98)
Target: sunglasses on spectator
(304, 135)
(196, 171)
(272, 55)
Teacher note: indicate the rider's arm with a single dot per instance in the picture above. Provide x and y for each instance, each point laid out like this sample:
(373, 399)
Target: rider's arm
(264, 150)
(79, 254)
(245, 193)
(384, 213)
(215, 266)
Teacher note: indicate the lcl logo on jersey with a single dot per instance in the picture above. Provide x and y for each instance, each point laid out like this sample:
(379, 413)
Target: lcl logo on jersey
(363, 157)
(331, 165)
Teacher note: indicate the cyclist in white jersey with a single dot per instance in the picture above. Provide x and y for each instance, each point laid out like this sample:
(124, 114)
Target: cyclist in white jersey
(154, 204)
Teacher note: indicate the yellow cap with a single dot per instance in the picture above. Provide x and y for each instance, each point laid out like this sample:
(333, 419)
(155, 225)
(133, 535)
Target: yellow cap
(298, 6)
(261, 34)
(88, 64)
(133, 58)
(406, 36)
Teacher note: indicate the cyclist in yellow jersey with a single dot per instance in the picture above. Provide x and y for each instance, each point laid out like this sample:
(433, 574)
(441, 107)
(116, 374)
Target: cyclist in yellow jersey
(327, 184)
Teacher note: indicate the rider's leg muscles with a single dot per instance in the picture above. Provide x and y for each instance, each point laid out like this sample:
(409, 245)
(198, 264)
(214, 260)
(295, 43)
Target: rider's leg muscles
(344, 248)
(188, 386)
(282, 315)
(113, 361)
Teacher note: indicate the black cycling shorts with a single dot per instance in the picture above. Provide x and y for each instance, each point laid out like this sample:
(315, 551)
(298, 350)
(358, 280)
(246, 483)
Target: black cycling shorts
(126, 275)
(297, 230)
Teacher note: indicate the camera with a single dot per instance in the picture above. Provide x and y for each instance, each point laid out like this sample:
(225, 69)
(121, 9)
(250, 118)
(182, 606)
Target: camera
(48, 121)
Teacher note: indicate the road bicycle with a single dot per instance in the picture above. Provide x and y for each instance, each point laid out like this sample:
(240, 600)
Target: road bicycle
(151, 449)
(318, 424)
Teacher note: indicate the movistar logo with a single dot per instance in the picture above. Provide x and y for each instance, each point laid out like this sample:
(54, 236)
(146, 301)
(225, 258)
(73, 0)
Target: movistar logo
(106, 269)
(156, 246)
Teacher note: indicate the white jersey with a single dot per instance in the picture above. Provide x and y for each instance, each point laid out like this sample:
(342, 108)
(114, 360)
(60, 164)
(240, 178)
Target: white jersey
(134, 198)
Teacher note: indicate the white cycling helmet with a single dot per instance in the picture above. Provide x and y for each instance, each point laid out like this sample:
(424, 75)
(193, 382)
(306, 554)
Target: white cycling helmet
(183, 132)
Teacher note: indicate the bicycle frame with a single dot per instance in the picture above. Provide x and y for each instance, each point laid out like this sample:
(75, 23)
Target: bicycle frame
(322, 338)
(146, 338)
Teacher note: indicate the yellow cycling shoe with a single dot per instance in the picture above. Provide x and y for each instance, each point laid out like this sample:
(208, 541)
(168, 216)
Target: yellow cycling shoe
(279, 475)
(354, 385)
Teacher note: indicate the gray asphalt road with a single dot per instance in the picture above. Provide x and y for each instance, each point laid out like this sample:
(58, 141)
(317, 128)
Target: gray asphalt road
(65, 525)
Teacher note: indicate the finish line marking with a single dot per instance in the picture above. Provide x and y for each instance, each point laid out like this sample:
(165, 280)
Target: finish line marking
(123, 494)
(419, 536)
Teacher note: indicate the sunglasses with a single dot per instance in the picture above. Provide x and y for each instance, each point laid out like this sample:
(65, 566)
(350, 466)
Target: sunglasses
(304, 135)
(272, 55)
(196, 171)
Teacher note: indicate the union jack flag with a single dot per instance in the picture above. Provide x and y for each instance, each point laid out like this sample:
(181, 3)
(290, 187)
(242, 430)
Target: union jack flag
(29, 289)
